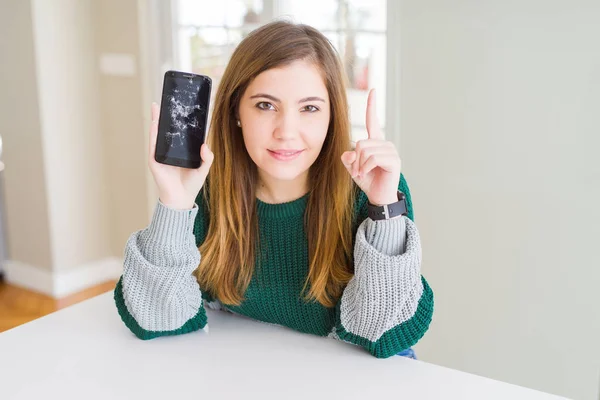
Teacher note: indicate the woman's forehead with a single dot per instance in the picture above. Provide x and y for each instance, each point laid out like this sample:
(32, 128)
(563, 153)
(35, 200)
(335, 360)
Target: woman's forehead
(298, 79)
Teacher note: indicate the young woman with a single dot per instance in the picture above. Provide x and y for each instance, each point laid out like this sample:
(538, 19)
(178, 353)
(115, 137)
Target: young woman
(289, 226)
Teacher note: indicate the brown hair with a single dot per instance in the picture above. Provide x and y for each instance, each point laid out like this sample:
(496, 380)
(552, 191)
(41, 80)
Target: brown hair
(229, 250)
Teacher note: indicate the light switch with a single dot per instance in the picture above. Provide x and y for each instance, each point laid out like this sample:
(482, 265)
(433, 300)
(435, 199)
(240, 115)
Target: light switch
(117, 64)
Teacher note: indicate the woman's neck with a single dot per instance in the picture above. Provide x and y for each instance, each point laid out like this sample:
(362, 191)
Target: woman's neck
(275, 191)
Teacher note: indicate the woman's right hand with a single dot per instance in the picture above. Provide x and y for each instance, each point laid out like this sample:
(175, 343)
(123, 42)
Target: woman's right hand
(177, 186)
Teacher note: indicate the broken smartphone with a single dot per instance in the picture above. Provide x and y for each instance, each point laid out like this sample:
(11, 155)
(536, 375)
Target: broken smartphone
(183, 119)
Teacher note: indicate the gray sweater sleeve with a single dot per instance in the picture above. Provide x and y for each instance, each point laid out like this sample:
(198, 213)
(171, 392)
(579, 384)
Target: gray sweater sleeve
(386, 307)
(157, 294)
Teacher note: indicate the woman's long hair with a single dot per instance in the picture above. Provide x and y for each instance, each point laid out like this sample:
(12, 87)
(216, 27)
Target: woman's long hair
(230, 247)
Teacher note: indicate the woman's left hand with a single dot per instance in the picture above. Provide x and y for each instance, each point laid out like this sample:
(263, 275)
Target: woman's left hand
(374, 164)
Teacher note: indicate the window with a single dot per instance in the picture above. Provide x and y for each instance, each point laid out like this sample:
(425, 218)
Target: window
(207, 32)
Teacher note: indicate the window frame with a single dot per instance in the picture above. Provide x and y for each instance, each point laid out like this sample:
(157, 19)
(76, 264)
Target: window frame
(166, 13)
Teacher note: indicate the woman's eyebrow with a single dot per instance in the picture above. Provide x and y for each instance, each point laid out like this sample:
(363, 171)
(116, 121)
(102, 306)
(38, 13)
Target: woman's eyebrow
(313, 98)
(275, 99)
(268, 96)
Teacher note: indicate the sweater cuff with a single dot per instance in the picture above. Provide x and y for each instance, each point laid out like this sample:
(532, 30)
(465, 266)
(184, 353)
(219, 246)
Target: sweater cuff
(388, 236)
(172, 227)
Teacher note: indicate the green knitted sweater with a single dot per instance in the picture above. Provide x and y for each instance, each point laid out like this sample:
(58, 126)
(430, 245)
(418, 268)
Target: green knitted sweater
(386, 307)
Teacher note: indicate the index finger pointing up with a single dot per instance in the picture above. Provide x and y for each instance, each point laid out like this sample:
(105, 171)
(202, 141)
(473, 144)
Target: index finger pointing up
(373, 127)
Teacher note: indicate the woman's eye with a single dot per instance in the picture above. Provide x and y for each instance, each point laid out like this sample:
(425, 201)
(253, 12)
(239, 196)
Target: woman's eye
(310, 108)
(263, 105)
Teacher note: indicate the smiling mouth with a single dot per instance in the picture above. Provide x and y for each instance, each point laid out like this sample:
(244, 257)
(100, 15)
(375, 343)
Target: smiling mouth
(285, 152)
(285, 155)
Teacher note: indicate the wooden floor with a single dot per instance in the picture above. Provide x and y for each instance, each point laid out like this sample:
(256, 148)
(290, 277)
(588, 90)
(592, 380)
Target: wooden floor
(19, 305)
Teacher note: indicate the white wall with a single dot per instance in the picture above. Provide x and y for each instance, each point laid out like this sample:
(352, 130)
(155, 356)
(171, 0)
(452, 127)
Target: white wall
(75, 146)
(499, 139)
(122, 116)
(73, 153)
(24, 190)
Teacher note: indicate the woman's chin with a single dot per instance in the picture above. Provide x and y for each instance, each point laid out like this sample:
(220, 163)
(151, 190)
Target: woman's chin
(283, 173)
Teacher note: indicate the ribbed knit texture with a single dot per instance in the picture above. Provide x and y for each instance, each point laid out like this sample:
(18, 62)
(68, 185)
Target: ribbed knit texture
(386, 307)
(157, 287)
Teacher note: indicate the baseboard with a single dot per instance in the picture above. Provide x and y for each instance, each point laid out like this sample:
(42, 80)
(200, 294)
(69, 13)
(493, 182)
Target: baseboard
(60, 284)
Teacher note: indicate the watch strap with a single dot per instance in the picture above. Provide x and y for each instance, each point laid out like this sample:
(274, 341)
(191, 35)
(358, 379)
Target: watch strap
(388, 211)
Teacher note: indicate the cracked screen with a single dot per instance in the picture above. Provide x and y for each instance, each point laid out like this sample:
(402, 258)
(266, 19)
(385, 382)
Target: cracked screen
(183, 115)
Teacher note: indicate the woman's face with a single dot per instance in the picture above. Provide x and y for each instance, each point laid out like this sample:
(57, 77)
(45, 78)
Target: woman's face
(284, 115)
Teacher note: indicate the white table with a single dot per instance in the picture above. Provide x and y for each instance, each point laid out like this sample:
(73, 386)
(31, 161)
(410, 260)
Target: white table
(86, 352)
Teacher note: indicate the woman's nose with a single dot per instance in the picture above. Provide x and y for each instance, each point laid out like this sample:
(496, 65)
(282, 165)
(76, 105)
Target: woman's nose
(287, 126)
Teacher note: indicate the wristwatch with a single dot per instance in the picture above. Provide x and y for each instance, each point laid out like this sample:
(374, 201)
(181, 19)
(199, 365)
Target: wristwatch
(388, 211)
